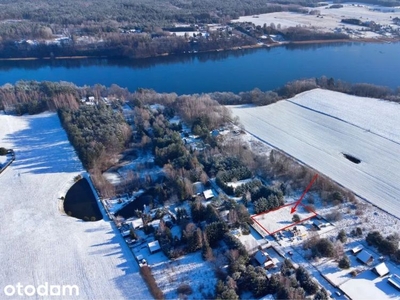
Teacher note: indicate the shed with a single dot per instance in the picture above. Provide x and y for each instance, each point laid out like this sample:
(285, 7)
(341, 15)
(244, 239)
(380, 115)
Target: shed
(365, 257)
(395, 281)
(356, 250)
(154, 247)
(126, 233)
(381, 269)
(137, 223)
(208, 194)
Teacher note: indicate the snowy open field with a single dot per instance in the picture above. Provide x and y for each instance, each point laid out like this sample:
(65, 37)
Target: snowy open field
(191, 270)
(331, 18)
(41, 244)
(281, 218)
(314, 134)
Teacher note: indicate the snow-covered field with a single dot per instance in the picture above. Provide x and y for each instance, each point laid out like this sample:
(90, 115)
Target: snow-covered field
(316, 138)
(331, 18)
(41, 244)
(190, 270)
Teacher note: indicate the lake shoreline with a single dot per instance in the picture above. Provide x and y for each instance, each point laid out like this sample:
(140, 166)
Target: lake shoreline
(256, 46)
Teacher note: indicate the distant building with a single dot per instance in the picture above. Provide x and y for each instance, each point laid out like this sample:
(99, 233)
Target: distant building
(381, 269)
(154, 247)
(365, 257)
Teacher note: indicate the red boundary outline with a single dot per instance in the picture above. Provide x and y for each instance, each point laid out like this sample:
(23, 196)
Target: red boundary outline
(267, 212)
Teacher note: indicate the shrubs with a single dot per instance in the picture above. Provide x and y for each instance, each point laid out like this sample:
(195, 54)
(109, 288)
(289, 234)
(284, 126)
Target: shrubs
(334, 216)
(387, 245)
(323, 248)
(344, 263)
(342, 236)
(185, 289)
(306, 282)
(295, 218)
(145, 271)
(3, 151)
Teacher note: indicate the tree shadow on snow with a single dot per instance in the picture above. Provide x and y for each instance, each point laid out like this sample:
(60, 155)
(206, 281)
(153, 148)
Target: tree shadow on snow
(130, 283)
(43, 147)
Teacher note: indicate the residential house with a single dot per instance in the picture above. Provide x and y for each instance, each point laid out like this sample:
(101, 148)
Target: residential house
(381, 269)
(365, 257)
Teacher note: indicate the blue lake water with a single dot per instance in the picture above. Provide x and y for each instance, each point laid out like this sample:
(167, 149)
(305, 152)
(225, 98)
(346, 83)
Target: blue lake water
(241, 70)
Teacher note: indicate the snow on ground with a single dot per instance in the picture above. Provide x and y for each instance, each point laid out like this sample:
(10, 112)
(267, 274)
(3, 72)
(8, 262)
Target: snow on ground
(235, 184)
(281, 218)
(319, 140)
(331, 18)
(40, 243)
(368, 285)
(190, 270)
(353, 109)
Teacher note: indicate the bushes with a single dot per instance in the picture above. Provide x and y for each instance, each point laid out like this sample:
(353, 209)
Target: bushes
(334, 216)
(3, 151)
(305, 280)
(145, 271)
(342, 236)
(385, 246)
(185, 289)
(344, 263)
(323, 248)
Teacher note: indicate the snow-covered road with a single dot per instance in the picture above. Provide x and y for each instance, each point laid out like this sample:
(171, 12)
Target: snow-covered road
(38, 243)
(316, 130)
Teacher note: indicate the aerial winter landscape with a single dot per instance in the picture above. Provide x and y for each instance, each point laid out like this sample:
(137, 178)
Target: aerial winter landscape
(200, 150)
(320, 127)
(39, 242)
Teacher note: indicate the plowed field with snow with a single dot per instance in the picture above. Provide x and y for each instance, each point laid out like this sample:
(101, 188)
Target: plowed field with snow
(39, 243)
(316, 127)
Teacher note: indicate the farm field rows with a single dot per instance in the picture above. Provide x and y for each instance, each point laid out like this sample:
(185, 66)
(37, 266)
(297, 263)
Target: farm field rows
(41, 244)
(318, 135)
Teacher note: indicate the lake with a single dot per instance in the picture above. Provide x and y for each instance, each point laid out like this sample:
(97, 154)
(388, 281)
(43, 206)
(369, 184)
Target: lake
(240, 70)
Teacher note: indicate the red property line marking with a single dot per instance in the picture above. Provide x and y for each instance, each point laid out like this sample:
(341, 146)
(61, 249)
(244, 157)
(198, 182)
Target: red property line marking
(301, 221)
(293, 224)
(260, 225)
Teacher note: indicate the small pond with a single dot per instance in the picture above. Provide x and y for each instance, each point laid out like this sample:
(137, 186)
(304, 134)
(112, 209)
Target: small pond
(81, 203)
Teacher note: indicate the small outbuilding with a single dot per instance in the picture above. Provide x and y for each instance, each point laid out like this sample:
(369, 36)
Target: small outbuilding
(381, 269)
(395, 281)
(154, 247)
(208, 194)
(356, 250)
(365, 257)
